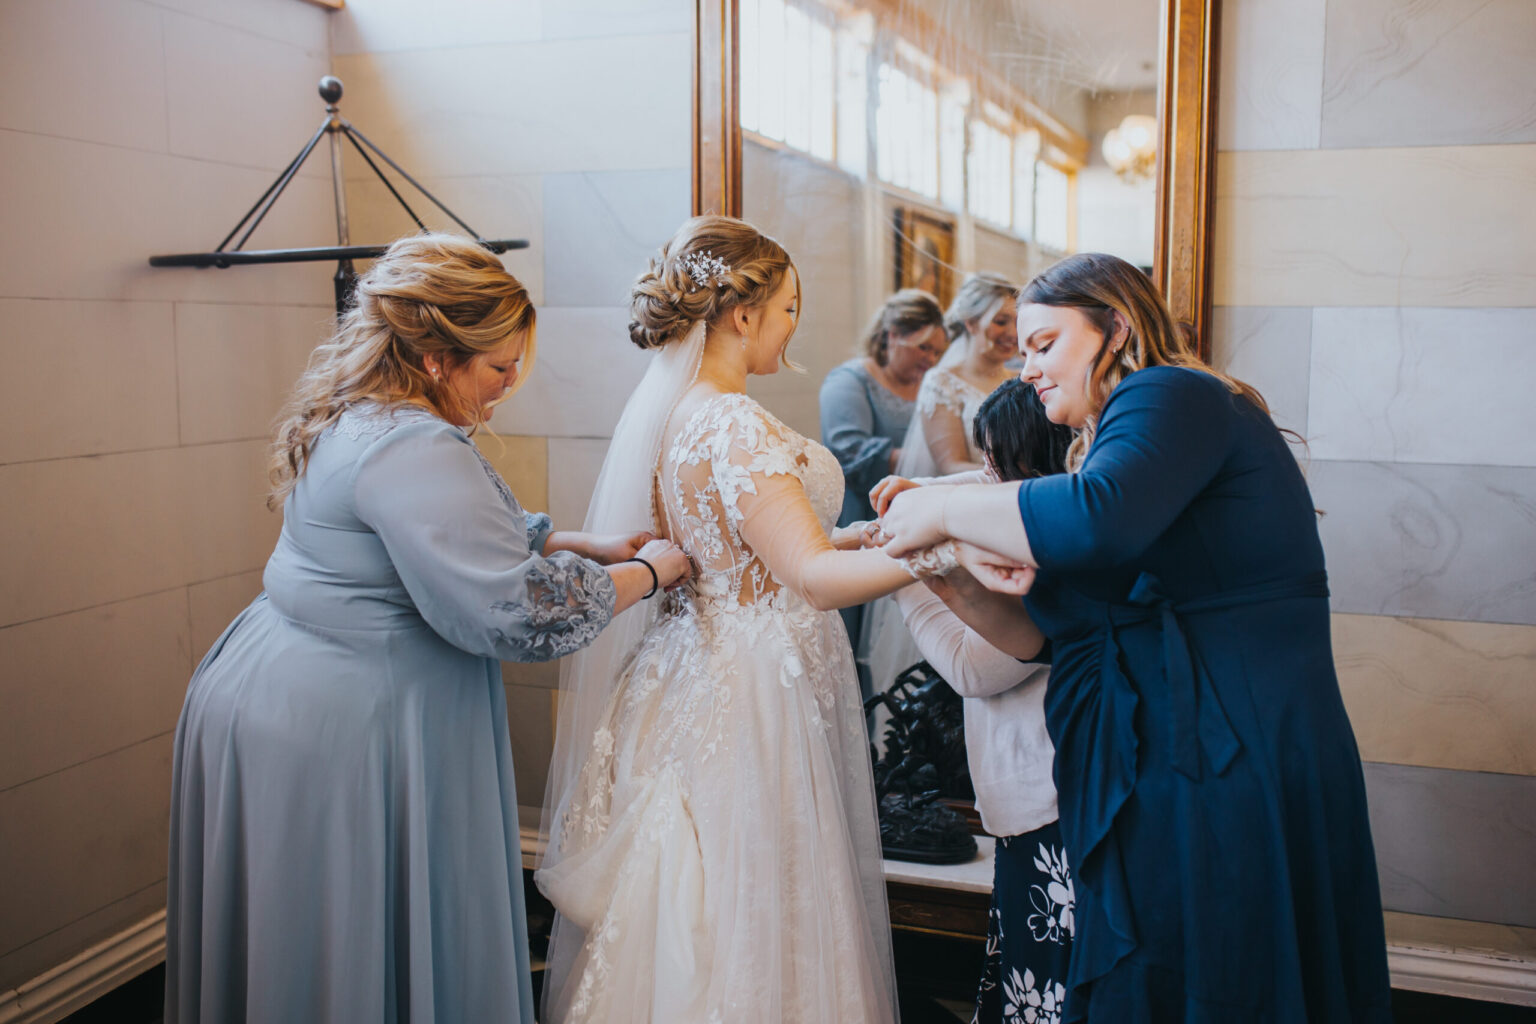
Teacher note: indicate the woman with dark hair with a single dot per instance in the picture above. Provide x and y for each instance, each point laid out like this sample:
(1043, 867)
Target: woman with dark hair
(1211, 797)
(1031, 920)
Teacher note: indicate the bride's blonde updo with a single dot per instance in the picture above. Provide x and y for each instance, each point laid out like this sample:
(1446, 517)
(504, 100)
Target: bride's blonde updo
(677, 290)
(435, 295)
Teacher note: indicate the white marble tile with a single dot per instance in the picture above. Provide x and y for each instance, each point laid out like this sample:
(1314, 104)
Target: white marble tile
(236, 365)
(585, 370)
(112, 85)
(574, 466)
(92, 216)
(83, 378)
(602, 227)
(523, 463)
(1270, 349)
(1376, 227)
(78, 686)
(298, 24)
(1454, 844)
(1441, 542)
(1423, 385)
(523, 108)
(506, 207)
(580, 18)
(243, 99)
(1429, 74)
(1439, 694)
(384, 25)
(93, 834)
(1270, 78)
(90, 531)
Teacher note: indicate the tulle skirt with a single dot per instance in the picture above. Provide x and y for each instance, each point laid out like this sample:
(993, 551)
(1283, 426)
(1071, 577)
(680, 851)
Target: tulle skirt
(721, 854)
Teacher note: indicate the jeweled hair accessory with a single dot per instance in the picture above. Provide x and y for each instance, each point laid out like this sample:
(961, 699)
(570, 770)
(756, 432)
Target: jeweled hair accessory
(705, 268)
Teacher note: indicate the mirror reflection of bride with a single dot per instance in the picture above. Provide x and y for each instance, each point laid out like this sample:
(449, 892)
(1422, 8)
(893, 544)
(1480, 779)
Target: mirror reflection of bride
(714, 852)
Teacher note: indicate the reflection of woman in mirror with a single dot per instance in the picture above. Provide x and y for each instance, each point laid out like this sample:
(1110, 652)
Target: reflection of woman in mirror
(713, 847)
(1030, 926)
(867, 403)
(344, 833)
(941, 440)
(1210, 789)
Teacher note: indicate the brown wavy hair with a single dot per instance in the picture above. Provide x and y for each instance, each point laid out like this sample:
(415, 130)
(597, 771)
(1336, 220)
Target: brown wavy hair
(428, 295)
(1100, 285)
(666, 301)
(905, 312)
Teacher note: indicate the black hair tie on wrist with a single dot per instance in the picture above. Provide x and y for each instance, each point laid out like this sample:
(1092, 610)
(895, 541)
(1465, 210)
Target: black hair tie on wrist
(655, 580)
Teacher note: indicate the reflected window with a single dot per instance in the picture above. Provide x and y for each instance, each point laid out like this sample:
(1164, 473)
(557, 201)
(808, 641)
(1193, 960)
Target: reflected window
(906, 132)
(1053, 207)
(991, 174)
(790, 70)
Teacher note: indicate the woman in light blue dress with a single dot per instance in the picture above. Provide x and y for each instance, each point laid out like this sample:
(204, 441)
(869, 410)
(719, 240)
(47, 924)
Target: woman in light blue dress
(344, 836)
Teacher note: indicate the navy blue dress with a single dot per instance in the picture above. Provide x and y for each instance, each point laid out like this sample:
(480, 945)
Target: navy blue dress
(1212, 801)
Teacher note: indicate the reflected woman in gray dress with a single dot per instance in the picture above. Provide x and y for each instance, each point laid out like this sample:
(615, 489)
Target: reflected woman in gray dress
(344, 836)
(867, 405)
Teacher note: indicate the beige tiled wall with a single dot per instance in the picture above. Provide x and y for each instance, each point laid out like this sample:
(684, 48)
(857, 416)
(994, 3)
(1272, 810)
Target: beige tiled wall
(133, 413)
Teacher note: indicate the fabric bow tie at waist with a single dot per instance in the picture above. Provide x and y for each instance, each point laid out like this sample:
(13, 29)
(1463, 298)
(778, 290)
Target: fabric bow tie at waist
(1198, 722)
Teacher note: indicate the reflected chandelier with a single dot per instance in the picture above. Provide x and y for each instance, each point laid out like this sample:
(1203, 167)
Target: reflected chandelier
(1131, 149)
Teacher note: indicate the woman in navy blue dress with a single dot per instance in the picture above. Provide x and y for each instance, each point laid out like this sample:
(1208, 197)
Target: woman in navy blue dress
(1211, 796)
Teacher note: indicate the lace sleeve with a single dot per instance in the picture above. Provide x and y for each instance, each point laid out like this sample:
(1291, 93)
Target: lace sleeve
(461, 546)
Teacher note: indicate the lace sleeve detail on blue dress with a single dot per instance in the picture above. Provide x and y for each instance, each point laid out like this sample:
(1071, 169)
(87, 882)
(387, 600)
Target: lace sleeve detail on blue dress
(564, 602)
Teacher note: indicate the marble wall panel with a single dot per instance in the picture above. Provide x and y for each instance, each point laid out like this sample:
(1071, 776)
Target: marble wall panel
(213, 605)
(523, 108)
(114, 90)
(1271, 349)
(533, 741)
(243, 99)
(1429, 74)
(176, 516)
(586, 368)
(574, 466)
(1271, 74)
(1423, 385)
(504, 207)
(82, 685)
(523, 463)
(298, 24)
(1439, 694)
(92, 215)
(1375, 227)
(1443, 542)
(580, 18)
(95, 832)
(237, 364)
(84, 378)
(602, 227)
(54, 948)
(385, 25)
(1454, 844)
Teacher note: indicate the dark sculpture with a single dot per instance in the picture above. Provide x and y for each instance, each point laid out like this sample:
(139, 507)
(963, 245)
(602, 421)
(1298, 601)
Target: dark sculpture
(922, 769)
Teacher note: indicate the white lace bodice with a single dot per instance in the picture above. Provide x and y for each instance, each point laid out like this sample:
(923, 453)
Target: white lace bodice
(712, 469)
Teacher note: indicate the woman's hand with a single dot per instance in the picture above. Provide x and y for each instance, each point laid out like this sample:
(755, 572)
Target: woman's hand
(914, 520)
(996, 572)
(608, 548)
(855, 536)
(669, 561)
(881, 494)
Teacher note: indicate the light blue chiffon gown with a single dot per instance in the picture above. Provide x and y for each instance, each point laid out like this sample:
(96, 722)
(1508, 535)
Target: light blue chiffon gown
(344, 836)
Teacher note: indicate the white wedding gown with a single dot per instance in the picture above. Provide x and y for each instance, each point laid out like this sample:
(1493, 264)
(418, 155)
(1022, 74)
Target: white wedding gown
(721, 854)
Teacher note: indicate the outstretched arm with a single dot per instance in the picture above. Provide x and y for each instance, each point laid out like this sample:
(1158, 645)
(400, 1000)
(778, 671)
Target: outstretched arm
(945, 430)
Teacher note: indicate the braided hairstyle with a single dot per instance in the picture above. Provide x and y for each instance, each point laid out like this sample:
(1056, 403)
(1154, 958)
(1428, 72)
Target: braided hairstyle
(434, 295)
(667, 299)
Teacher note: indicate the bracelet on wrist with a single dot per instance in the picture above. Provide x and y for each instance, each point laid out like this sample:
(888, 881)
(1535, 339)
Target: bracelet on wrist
(655, 580)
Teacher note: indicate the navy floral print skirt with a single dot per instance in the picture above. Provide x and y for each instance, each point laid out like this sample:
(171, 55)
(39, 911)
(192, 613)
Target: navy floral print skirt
(1029, 932)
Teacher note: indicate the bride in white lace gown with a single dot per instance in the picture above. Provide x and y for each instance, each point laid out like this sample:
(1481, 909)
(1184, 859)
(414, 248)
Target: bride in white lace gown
(714, 851)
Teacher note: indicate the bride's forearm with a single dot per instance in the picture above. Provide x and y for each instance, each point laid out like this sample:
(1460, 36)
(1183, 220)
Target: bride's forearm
(840, 579)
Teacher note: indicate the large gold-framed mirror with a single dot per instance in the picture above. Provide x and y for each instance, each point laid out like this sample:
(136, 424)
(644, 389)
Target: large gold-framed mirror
(1184, 110)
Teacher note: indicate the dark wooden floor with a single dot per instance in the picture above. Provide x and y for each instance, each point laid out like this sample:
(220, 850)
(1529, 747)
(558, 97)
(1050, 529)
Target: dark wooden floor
(937, 980)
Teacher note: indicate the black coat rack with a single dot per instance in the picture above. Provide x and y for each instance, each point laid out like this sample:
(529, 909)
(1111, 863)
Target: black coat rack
(337, 127)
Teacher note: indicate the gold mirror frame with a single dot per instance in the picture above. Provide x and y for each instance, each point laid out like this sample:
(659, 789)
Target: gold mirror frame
(1186, 99)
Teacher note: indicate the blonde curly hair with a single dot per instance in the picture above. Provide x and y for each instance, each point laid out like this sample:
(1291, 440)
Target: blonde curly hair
(435, 295)
(666, 300)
